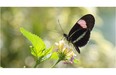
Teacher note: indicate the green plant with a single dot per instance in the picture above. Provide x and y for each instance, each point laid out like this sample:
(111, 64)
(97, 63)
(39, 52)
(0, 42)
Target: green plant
(41, 53)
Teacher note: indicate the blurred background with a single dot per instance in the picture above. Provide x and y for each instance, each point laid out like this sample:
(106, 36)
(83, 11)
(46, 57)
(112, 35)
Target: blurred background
(100, 52)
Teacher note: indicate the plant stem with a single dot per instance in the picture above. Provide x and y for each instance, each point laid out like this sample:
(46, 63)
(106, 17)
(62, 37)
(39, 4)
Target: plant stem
(38, 61)
(56, 63)
(36, 64)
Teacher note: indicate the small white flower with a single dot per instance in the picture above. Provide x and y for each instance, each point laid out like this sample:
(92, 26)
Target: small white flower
(64, 51)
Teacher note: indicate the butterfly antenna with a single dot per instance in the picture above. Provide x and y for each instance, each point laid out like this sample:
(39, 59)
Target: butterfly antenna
(60, 26)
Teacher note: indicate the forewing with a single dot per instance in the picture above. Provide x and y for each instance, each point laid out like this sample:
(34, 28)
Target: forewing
(85, 22)
(90, 21)
(83, 41)
(76, 27)
(76, 34)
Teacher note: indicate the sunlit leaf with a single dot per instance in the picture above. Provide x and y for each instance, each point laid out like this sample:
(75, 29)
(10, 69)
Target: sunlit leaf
(38, 44)
(76, 60)
(55, 56)
(46, 57)
(47, 53)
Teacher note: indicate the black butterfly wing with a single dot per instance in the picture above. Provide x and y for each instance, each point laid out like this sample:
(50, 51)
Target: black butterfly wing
(81, 38)
(76, 35)
(77, 48)
(80, 32)
(90, 21)
(76, 27)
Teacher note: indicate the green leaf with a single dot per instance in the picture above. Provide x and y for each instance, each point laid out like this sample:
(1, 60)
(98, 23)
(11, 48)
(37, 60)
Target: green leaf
(75, 60)
(47, 51)
(46, 57)
(38, 44)
(55, 56)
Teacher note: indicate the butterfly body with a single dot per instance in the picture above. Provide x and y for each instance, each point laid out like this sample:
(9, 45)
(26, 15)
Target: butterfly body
(80, 32)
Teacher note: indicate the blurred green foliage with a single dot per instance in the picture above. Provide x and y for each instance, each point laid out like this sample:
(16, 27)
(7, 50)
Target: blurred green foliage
(43, 21)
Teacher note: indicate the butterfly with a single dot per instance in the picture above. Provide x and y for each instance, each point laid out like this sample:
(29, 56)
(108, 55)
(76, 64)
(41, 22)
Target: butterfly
(80, 33)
